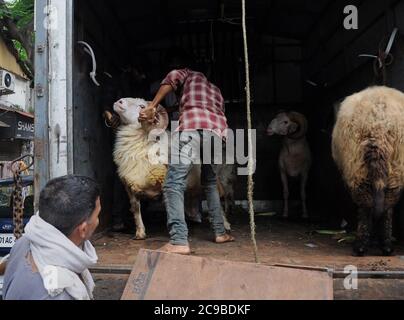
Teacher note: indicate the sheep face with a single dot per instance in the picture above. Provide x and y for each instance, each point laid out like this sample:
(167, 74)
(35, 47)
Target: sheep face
(129, 109)
(282, 125)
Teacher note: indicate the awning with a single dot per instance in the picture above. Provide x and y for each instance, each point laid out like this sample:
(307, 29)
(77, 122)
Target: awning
(15, 124)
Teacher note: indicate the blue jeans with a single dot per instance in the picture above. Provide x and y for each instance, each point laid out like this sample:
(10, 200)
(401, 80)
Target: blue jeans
(186, 151)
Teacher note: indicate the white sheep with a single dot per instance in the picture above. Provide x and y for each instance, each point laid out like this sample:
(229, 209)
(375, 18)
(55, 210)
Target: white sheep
(368, 148)
(295, 156)
(142, 160)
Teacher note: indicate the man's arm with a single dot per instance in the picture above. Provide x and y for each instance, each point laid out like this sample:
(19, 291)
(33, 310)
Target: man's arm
(149, 113)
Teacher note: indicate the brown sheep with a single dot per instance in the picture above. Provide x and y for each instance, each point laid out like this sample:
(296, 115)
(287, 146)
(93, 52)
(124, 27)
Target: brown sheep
(368, 148)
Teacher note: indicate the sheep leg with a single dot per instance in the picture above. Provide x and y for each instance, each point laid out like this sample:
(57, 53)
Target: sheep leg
(230, 203)
(192, 210)
(227, 224)
(364, 228)
(387, 233)
(227, 205)
(285, 194)
(135, 209)
(303, 185)
(227, 211)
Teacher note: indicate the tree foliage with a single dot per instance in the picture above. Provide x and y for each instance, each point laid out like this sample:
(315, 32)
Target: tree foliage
(17, 26)
(20, 11)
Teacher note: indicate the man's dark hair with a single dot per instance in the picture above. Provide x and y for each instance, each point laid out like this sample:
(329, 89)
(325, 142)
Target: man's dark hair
(68, 201)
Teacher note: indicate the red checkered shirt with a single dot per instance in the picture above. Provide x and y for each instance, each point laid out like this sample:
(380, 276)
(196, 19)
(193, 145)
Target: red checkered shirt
(201, 105)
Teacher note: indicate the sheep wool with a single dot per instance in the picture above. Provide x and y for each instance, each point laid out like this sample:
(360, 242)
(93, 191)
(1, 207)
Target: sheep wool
(368, 145)
(131, 157)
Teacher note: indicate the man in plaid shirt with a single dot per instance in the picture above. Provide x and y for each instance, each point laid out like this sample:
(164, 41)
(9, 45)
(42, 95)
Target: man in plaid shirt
(202, 120)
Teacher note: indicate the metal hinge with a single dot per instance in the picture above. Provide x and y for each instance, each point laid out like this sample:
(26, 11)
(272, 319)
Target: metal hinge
(40, 48)
(40, 91)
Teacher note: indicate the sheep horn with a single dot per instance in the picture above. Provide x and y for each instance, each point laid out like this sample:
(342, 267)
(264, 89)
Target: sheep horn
(162, 117)
(302, 125)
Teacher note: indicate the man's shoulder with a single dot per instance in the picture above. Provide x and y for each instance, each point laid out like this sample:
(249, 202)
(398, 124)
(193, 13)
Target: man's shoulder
(20, 248)
(22, 281)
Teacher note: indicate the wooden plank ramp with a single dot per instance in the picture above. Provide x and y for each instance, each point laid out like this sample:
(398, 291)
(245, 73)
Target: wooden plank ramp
(161, 276)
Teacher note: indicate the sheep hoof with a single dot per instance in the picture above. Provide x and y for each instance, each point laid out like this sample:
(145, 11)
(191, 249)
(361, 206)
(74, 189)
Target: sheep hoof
(140, 235)
(227, 226)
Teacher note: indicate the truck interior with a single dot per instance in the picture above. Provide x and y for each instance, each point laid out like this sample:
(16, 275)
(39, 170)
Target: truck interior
(301, 58)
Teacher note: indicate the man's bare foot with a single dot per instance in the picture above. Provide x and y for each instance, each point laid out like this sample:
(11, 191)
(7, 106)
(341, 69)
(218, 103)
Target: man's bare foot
(170, 248)
(224, 239)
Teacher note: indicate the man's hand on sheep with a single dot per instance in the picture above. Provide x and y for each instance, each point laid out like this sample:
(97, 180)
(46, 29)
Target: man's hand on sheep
(148, 114)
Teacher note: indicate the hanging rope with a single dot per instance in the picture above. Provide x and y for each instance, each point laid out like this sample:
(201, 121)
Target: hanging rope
(250, 142)
(90, 52)
(383, 59)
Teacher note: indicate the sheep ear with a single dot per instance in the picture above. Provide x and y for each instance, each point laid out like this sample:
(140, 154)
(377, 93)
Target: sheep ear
(293, 127)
